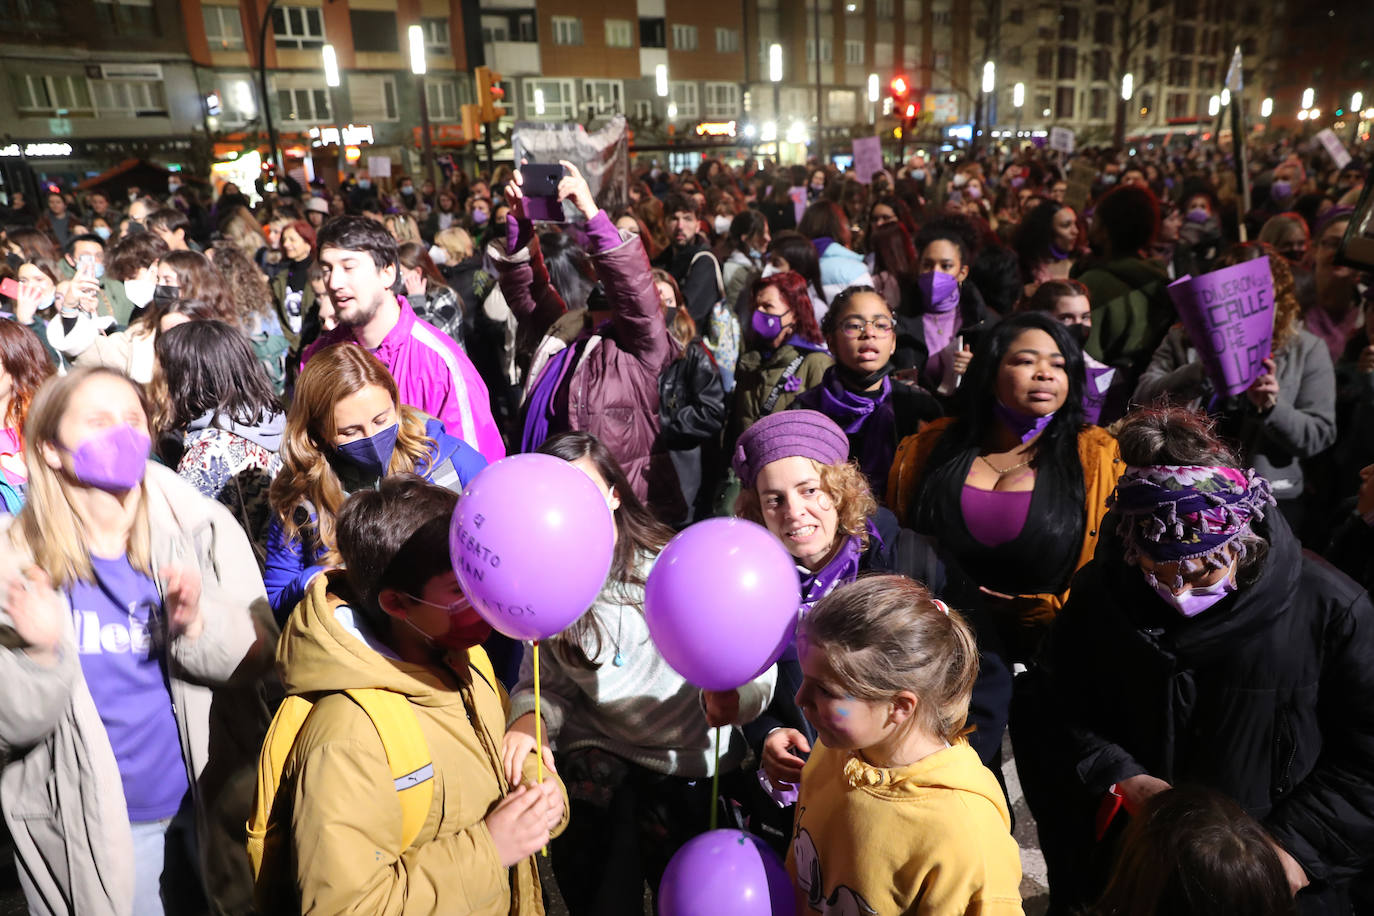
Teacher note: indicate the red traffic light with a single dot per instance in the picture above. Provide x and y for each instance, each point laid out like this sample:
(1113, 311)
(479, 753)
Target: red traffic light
(497, 93)
(911, 109)
(900, 86)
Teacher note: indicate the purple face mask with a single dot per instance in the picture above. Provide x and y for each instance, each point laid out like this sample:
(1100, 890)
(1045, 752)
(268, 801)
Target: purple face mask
(1280, 189)
(1193, 601)
(1198, 215)
(1026, 426)
(973, 192)
(765, 325)
(940, 289)
(1017, 181)
(113, 460)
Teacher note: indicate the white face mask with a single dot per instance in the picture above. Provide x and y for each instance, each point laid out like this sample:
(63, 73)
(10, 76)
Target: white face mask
(769, 271)
(722, 224)
(960, 180)
(438, 255)
(140, 290)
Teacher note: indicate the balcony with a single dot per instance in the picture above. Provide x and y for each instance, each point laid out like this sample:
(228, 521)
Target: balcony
(513, 58)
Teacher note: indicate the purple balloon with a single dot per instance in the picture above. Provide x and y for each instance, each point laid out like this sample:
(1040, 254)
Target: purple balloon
(721, 602)
(531, 542)
(726, 871)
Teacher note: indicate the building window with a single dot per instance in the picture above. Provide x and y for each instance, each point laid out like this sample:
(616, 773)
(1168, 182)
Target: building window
(840, 106)
(1180, 72)
(854, 52)
(1151, 34)
(1063, 102)
(559, 102)
(684, 38)
(603, 97)
(567, 30)
(1013, 56)
(1016, 16)
(495, 28)
(722, 100)
(1068, 23)
(1104, 27)
(237, 98)
(223, 28)
(442, 98)
(299, 26)
(1042, 105)
(1184, 39)
(941, 18)
(1177, 106)
(651, 33)
(644, 110)
(303, 104)
(1102, 64)
(1044, 63)
(374, 97)
(52, 95)
(436, 35)
(33, 14)
(882, 54)
(1099, 105)
(811, 51)
(374, 31)
(1068, 63)
(127, 17)
(727, 41)
(884, 9)
(618, 33)
(684, 96)
(129, 98)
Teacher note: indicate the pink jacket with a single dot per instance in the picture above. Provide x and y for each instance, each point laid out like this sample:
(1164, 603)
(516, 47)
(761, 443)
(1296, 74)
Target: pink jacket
(433, 374)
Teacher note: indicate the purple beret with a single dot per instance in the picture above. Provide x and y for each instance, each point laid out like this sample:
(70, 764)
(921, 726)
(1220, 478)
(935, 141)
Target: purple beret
(788, 434)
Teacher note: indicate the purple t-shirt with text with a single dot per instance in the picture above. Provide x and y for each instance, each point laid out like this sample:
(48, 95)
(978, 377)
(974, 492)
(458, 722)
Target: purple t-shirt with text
(122, 663)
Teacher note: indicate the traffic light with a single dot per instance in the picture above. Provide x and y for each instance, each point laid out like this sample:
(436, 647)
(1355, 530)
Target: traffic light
(900, 88)
(472, 123)
(912, 110)
(490, 94)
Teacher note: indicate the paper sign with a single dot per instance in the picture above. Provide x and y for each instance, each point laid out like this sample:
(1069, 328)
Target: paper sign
(1229, 317)
(379, 166)
(1235, 79)
(1334, 147)
(1061, 138)
(1097, 382)
(868, 158)
(798, 196)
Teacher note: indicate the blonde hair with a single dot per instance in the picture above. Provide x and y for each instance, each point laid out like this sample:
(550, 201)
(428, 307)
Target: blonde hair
(885, 634)
(844, 483)
(306, 475)
(241, 228)
(402, 227)
(48, 525)
(456, 242)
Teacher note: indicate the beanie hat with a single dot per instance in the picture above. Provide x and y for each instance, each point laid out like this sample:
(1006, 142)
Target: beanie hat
(788, 434)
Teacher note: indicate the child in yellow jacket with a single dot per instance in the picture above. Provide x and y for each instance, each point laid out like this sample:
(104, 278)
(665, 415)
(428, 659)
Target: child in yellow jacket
(897, 815)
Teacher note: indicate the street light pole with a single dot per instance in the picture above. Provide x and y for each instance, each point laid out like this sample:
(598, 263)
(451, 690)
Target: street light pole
(1018, 99)
(331, 79)
(417, 67)
(820, 101)
(262, 84)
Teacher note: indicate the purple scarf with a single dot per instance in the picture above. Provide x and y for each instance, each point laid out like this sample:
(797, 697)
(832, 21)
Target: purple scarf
(843, 567)
(1024, 425)
(868, 420)
(539, 413)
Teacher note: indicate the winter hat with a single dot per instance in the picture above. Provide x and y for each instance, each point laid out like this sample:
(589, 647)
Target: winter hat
(317, 205)
(788, 434)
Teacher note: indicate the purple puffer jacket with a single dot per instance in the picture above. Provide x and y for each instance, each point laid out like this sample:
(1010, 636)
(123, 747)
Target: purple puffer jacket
(613, 390)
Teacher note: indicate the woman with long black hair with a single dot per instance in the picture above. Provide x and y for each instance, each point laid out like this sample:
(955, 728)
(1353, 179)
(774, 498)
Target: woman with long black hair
(1015, 486)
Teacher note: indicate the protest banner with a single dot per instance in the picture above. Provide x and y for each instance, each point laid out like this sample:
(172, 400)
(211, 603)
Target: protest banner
(379, 166)
(1061, 138)
(1229, 317)
(868, 158)
(1340, 156)
(601, 155)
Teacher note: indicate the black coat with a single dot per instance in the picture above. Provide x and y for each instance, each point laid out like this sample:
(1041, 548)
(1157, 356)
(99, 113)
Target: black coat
(912, 352)
(1268, 696)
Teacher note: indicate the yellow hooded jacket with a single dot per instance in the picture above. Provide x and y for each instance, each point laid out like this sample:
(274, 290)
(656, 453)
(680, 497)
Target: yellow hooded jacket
(932, 838)
(345, 817)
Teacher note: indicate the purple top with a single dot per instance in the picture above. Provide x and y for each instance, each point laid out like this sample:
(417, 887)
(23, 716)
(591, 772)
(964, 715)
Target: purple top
(122, 664)
(994, 517)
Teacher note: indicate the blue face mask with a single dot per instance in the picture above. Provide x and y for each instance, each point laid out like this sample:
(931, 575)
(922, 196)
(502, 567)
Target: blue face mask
(372, 454)
(103, 232)
(364, 183)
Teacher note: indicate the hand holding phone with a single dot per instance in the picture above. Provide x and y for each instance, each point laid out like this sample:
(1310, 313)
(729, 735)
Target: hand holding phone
(539, 187)
(9, 288)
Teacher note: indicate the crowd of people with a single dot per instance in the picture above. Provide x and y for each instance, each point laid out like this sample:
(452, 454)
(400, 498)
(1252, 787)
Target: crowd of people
(242, 676)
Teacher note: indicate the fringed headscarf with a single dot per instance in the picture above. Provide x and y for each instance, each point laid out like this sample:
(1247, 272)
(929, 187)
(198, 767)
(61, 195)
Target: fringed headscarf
(1172, 514)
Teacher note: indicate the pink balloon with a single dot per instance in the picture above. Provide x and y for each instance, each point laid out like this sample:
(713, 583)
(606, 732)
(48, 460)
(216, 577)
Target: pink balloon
(531, 541)
(726, 872)
(721, 602)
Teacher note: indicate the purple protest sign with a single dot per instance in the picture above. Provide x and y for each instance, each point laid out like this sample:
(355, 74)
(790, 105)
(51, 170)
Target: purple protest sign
(1229, 317)
(798, 196)
(1096, 383)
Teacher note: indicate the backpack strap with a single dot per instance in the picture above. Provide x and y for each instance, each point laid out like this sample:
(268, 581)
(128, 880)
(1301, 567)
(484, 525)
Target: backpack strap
(789, 372)
(720, 279)
(407, 752)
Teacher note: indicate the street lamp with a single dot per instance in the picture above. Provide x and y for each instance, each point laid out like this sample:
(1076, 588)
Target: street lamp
(661, 80)
(1214, 106)
(1018, 98)
(1127, 87)
(418, 67)
(539, 101)
(989, 76)
(873, 98)
(775, 77)
(1309, 95)
(1357, 101)
(1266, 108)
(331, 79)
(1225, 97)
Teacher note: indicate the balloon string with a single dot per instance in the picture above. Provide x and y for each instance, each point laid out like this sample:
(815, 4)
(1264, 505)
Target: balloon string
(538, 731)
(715, 782)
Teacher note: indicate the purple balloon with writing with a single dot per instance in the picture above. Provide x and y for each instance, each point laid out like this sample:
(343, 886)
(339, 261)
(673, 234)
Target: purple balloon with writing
(726, 872)
(721, 602)
(531, 542)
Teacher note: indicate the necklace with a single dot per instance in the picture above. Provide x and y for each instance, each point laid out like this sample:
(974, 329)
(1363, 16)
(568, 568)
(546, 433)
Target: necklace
(619, 659)
(1001, 472)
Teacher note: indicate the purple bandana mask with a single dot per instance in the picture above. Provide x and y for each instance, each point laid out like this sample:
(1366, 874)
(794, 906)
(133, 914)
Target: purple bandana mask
(114, 460)
(941, 290)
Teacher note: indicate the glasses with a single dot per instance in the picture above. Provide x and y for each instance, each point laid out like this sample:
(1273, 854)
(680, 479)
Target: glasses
(853, 327)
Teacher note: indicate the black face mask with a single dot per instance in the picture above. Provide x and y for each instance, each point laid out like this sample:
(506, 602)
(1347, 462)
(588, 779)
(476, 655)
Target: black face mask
(1080, 332)
(854, 381)
(166, 295)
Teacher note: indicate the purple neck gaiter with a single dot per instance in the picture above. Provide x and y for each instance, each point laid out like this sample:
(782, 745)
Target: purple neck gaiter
(1026, 426)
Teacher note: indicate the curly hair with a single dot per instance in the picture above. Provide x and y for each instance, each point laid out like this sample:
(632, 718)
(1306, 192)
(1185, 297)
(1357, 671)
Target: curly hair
(246, 284)
(846, 486)
(1287, 310)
